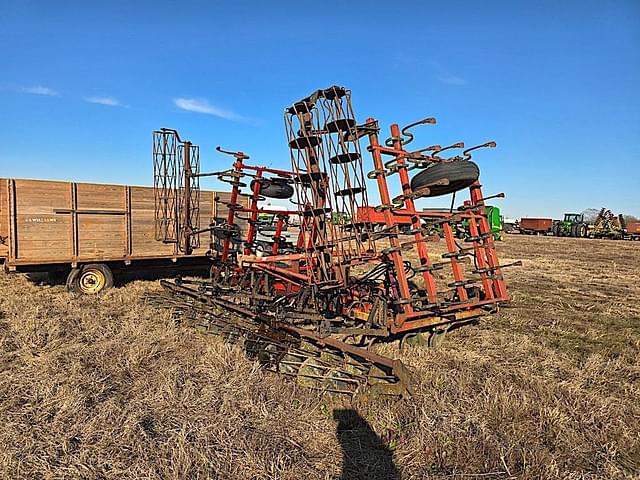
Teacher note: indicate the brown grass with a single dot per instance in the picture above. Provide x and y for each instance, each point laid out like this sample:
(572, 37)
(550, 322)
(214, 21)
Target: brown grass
(108, 388)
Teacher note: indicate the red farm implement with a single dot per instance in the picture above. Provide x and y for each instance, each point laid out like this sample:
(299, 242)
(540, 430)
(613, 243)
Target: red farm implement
(316, 309)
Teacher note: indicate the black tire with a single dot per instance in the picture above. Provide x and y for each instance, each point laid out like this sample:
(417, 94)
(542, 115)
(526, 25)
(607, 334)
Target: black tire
(460, 174)
(555, 230)
(574, 230)
(582, 230)
(274, 188)
(90, 279)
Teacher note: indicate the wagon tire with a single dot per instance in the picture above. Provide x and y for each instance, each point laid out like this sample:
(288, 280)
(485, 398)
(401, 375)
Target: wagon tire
(274, 188)
(459, 174)
(90, 279)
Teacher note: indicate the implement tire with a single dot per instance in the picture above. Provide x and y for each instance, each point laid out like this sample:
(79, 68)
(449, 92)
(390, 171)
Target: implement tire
(274, 188)
(460, 174)
(90, 279)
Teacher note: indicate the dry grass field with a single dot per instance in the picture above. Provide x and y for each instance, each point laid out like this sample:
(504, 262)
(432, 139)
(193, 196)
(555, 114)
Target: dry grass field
(108, 387)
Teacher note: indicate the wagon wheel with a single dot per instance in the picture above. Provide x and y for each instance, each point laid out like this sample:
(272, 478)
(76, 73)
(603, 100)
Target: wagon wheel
(444, 178)
(90, 279)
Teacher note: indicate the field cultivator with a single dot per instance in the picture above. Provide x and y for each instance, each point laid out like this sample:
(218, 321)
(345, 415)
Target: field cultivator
(608, 225)
(314, 310)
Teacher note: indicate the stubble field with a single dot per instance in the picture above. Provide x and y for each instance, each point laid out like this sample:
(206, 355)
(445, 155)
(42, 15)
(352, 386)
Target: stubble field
(108, 387)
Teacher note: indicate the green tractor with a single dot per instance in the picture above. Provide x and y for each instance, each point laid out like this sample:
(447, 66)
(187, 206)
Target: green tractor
(573, 225)
(495, 219)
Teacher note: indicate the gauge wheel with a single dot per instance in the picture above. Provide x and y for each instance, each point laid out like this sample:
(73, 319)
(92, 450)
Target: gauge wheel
(274, 188)
(444, 178)
(90, 279)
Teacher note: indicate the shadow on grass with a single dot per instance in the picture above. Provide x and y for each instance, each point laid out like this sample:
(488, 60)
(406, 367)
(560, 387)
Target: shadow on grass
(122, 277)
(365, 456)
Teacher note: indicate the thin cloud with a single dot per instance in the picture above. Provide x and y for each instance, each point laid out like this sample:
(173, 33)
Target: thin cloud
(108, 101)
(40, 90)
(451, 80)
(203, 106)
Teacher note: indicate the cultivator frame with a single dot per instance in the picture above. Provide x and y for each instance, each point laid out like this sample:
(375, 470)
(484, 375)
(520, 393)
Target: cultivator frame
(304, 312)
(176, 184)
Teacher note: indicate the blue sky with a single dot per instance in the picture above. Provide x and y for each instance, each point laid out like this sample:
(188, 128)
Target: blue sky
(556, 84)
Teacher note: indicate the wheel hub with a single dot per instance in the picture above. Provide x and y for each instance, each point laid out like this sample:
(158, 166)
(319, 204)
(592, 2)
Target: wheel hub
(92, 281)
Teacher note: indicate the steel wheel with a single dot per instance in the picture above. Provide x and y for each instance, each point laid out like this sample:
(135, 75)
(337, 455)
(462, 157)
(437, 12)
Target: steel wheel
(90, 279)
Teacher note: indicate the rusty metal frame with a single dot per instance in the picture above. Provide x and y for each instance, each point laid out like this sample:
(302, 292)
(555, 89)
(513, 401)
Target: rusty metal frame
(176, 173)
(312, 293)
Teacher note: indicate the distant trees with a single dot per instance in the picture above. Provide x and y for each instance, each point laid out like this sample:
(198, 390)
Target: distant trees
(590, 215)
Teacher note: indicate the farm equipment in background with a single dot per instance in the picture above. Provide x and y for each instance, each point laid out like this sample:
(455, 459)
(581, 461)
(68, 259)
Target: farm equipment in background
(315, 312)
(605, 225)
(495, 219)
(510, 225)
(608, 225)
(536, 226)
(573, 225)
(632, 231)
(269, 231)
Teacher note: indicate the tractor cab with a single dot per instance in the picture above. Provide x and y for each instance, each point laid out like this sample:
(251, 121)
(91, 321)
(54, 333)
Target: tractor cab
(574, 217)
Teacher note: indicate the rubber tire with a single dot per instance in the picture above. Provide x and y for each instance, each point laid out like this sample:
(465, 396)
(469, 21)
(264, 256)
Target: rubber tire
(274, 188)
(583, 230)
(461, 174)
(73, 279)
(574, 230)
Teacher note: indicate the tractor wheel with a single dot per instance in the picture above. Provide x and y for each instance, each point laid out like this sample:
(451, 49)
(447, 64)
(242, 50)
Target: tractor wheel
(459, 174)
(555, 230)
(274, 188)
(90, 279)
(582, 230)
(573, 230)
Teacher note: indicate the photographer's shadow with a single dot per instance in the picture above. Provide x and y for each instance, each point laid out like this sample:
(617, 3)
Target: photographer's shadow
(365, 456)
